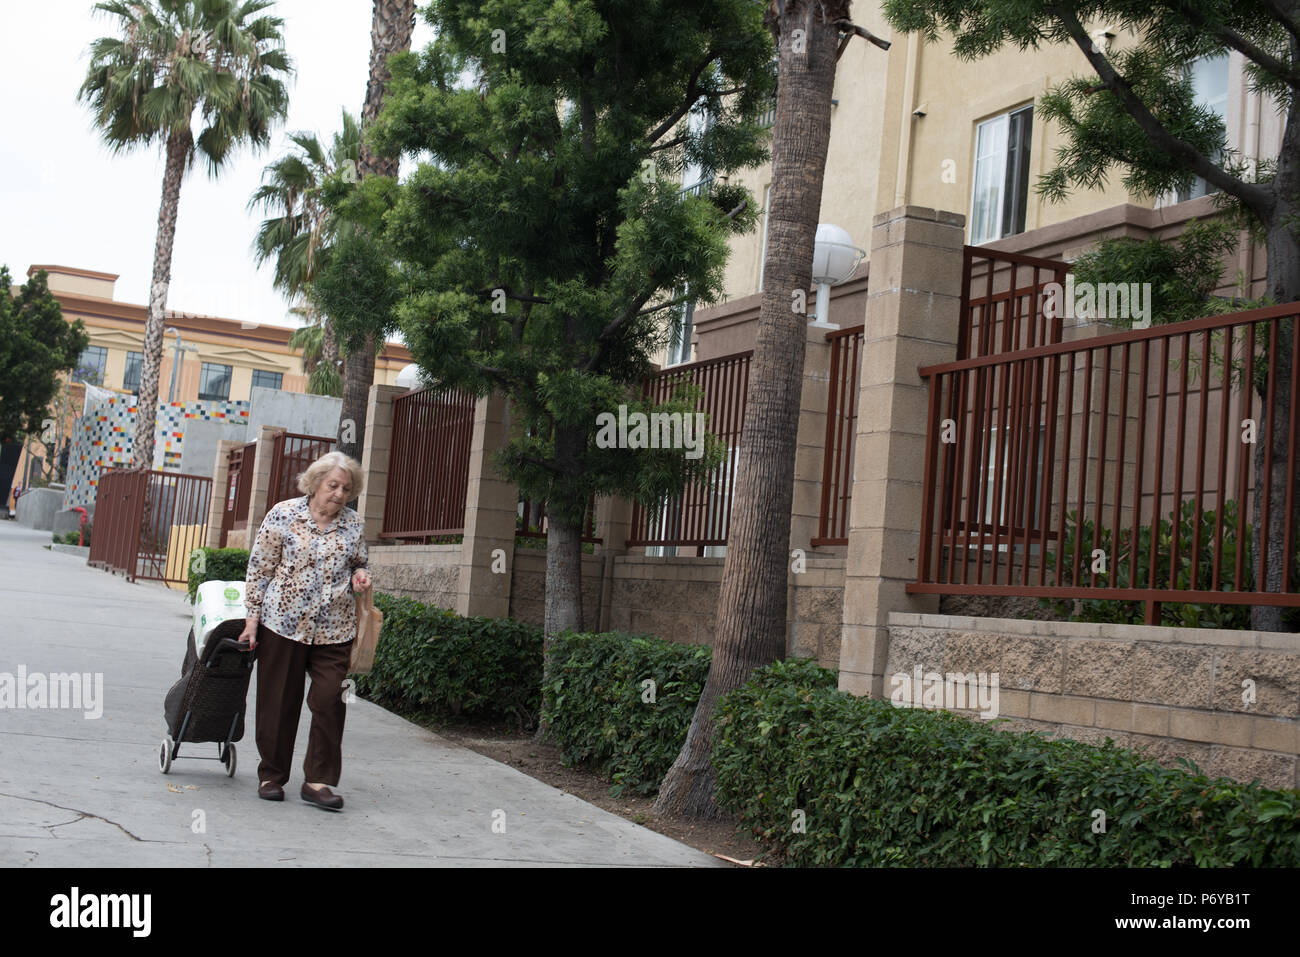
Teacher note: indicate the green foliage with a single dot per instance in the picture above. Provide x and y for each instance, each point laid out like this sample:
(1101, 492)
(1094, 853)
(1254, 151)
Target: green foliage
(1182, 274)
(886, 786)
(73, 538)
(36, 344)
(1119, 555)
(537, 246)
(596, 711)
(1136, 109)
(216, 564)
(221, 62)
(430, 659)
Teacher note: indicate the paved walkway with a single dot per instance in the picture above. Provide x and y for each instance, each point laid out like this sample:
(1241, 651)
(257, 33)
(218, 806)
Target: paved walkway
(86, 792)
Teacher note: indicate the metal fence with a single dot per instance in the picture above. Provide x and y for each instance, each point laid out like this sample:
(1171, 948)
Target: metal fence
(291, 454)
(532, 521)
(1117, 468)
(841, 425)
(240, 464)
(1002, 297)
(147, 523)
(428, 465)
(701, 515)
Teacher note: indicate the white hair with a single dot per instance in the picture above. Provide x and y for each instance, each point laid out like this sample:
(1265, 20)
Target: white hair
(310, 480)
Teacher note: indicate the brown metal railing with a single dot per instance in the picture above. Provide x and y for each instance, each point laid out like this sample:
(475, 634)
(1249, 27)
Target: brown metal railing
(701, 515)
(1002, 297)
(1115, 468)
(532, 521)
(428, 466)
(240, 464)
(147, 524)
(291, 454)
(841, 424)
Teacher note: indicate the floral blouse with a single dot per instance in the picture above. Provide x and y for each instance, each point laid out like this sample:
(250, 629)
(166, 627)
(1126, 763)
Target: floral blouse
(299, 580)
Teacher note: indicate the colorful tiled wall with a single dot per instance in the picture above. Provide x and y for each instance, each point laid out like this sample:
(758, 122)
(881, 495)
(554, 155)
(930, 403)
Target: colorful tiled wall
(104, 437)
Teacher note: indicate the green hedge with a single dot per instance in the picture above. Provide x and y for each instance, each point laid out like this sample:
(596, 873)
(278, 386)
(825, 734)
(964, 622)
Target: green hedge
(430, 659)
(216, 564)
(881, 785)
(597, 708)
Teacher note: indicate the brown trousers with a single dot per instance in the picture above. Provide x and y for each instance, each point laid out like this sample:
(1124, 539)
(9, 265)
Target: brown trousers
(282, 665)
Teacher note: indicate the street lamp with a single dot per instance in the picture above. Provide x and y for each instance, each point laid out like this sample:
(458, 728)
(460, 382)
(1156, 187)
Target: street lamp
(176, 359)
(835, 259)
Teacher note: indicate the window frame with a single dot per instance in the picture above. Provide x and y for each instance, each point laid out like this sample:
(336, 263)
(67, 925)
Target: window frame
(207, 395)
(1011, 200)
(279, 379)
(139, 371)
(100, 365)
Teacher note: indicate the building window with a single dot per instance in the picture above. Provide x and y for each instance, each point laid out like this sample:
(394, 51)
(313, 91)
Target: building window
(1001, 186)
(268, 380)
(214, 381)
(1209, 76)
(134, 366)
(90, 367)
(696, 180)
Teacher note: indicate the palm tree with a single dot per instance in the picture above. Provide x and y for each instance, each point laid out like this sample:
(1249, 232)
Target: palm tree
(301, 228)
(322, 374)
(751, 617)
(392, 23)
(173, 63)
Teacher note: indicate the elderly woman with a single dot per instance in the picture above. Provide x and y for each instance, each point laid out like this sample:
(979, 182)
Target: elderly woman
(310, 554)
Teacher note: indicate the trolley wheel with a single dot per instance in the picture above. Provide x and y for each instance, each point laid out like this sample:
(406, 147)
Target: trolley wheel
(165, 754)
(228, 759)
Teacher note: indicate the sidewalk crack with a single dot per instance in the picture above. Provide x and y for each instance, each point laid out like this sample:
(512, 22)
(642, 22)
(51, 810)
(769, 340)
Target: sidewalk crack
(77, 811)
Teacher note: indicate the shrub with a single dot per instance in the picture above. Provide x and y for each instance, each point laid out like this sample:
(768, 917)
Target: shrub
(216, 564)
(880, 785)
(597, 708)
(1080, 535)
(430, 659)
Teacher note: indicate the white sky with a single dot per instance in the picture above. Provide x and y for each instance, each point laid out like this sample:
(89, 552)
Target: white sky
(64, 199)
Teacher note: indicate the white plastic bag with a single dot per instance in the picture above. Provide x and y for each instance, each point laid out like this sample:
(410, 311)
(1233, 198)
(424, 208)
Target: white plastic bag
(217, 602)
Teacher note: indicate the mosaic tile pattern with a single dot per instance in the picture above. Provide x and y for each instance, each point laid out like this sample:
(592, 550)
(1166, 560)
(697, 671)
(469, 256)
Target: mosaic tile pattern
(104, 437)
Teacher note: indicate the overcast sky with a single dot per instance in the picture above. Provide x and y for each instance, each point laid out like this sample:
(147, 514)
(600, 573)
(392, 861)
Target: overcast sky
(64, 199)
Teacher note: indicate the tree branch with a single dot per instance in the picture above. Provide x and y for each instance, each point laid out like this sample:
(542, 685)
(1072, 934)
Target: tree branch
(1256, 198)
(852, 29)
(1262, 57)
(692, 94)
(1280, 14)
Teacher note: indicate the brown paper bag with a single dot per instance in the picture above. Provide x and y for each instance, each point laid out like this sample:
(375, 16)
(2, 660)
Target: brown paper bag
(369, 620)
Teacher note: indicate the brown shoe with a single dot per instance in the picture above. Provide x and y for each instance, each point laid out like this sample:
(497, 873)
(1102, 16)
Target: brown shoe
(324, 798)
(269, 791)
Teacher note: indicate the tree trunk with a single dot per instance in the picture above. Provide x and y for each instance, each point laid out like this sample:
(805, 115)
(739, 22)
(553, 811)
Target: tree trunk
(178, 151)
(751, 622)
(391, 26)
(329, 344)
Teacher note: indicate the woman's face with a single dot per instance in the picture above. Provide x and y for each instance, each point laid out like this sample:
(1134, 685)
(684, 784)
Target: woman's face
(333, 492)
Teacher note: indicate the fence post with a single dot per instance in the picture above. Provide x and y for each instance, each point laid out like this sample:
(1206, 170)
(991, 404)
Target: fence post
(912, 320)
(261, 480)
(217, 507)
(374, 457)
(491, 505)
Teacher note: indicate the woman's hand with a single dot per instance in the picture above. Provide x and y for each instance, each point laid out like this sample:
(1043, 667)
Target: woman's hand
(361, 580)
(249, 634)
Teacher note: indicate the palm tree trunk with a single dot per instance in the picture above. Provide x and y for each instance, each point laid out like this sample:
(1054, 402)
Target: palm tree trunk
(329, 344)
(751, 622)
(179, 145)
(391, 26)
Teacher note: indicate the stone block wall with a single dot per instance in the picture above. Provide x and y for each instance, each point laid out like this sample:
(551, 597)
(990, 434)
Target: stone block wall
(428, 573)
(1167, 692)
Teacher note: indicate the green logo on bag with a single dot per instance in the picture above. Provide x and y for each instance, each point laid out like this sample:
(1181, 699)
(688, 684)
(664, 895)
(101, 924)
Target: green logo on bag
(232, 594)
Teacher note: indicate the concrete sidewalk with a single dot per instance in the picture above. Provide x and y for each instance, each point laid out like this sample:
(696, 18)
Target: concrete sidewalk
(87, 792)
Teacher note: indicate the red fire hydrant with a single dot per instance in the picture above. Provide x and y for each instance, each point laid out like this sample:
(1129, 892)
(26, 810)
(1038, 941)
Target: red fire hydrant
(81, 528)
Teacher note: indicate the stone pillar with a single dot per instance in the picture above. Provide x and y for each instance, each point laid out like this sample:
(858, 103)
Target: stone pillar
(220, 473)
(257, 507)
(810, 450)
(491, 506)
(912, 321)
(376, 446)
